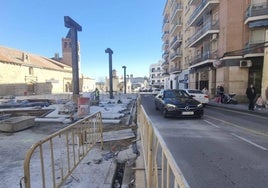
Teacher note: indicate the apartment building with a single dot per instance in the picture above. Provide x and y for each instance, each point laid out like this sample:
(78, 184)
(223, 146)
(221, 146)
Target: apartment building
(174, 69)
(221, 44)
(156, 75)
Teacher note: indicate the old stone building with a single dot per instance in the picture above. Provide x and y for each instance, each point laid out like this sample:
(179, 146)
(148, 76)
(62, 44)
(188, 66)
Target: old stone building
(23, 73)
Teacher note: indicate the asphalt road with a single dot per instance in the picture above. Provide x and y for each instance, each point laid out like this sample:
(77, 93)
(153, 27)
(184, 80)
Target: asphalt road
(224, 149)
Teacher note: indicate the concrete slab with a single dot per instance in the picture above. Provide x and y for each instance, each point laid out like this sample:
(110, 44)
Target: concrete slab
(118, 135)
(15, 124)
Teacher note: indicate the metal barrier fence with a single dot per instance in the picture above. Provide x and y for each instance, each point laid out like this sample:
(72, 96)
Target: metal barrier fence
(160, 167)
(49, 162)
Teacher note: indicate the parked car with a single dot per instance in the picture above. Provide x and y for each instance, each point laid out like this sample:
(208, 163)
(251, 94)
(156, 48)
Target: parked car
(198, 95)
(178, 103)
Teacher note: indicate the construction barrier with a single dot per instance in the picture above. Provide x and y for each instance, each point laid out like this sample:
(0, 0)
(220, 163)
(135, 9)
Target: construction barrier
(160, 168)
(53, 159)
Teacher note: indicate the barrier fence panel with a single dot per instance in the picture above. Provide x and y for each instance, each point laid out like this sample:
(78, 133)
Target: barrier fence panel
(160, 167)
(49, 162)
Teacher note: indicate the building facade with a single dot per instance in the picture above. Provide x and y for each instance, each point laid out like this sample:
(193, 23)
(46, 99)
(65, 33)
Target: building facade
(219, 44)
(23, 73)
(156, 79)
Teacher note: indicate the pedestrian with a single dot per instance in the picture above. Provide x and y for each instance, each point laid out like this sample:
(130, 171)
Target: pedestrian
(260, 103)
(218, 98)
(251, 94)
(205, 91)
(97, 95)
(221, 93)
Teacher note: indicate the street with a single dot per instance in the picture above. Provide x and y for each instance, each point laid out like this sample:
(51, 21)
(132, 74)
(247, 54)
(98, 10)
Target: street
(225, 148)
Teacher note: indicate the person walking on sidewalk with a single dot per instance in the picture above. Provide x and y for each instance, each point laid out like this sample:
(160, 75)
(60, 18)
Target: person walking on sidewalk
(221, 92)
(251, 94)
(260, 103)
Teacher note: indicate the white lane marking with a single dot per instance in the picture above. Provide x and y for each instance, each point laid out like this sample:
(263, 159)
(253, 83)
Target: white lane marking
(250, 142)
(211, 123)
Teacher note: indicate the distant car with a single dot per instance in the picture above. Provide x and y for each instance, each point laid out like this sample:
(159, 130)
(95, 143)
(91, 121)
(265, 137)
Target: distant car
(178, 103)
(156, 91)
(198, 95)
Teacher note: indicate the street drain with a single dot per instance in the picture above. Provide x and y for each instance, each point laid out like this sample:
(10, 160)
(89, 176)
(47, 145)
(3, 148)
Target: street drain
(119, 174)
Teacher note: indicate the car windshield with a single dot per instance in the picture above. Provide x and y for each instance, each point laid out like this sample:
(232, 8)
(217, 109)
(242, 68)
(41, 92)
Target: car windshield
(195, 91)
(176, 94)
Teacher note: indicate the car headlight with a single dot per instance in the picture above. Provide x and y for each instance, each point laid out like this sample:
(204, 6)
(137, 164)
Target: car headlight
(171, 107)
(199, 105)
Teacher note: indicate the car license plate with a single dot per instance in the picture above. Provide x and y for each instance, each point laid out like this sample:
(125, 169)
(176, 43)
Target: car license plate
(188, 113)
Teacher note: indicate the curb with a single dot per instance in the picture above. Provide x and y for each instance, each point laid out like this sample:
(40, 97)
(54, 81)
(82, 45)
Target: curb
(261, 112)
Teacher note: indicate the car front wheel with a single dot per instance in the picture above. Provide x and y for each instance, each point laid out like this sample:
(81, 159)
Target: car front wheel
(165, 114)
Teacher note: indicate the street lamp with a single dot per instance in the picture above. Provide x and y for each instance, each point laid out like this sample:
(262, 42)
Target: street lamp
(110, 52)
(125, 83)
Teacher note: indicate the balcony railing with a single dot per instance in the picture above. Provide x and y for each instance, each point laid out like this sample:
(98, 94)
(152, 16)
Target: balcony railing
(176, 41)
(176, 25)
(165, 34)
(256, 47)
(165, 25)
(165, 55)
(203, 57)
(198, 10)
(177, 8)
(175, 55)
(190, 2)
(165, 45)
(258, 9)
(175, 70)
(207, 26)
(165, 65)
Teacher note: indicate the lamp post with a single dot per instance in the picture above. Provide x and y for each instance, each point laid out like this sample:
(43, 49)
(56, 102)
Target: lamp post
(74, 27)
(110, 52)
(125, 83)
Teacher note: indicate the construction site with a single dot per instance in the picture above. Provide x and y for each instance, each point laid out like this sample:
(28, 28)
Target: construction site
(50, 141)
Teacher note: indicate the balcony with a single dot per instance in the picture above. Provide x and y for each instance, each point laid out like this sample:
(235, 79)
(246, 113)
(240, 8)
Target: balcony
(165, 26)
(208, 29)
(176, 42)
(177, 11)
(165, 55)
(203, 7)
(176, 28)
(256, 12)
(165, 65)
(175, 70)
(254, 49)
(165, 35)
(192, 2)
(175, 55)
(165, 45)
(203, 59)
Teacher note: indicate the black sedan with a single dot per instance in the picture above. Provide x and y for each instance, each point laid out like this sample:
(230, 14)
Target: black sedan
(178, 103)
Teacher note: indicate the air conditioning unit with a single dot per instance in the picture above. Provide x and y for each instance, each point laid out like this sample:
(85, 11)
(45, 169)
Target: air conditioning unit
(245, 63)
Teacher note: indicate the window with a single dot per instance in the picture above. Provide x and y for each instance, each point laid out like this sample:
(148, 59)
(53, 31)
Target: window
(257, 36)
(30, 70)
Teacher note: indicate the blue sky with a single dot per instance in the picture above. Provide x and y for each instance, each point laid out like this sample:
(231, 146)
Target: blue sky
(131, 28)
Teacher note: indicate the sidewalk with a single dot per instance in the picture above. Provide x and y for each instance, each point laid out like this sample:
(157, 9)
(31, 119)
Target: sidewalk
(242, 107)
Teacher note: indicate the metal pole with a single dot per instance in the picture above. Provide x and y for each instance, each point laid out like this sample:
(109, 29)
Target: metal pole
(125, 83)
(110, 52)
